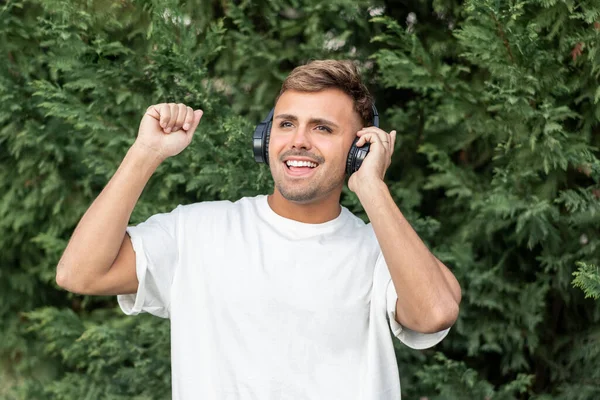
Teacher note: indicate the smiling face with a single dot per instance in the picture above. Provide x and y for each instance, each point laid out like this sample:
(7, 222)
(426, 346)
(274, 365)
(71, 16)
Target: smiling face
(310, 138)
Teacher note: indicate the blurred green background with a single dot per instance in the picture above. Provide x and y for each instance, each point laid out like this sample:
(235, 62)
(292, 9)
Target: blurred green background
(496, 166)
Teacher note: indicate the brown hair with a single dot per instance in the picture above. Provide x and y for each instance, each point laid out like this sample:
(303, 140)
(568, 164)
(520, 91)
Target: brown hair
(328, 74)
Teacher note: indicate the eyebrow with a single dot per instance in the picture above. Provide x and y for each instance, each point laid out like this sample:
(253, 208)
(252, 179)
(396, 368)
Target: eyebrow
(312, 121)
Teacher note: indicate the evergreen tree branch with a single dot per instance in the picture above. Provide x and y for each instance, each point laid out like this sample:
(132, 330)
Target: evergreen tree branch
(502, 35)
(587, 278)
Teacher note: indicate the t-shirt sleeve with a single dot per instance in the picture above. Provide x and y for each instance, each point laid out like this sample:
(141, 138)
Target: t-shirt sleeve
(156, 246)
(412, 339)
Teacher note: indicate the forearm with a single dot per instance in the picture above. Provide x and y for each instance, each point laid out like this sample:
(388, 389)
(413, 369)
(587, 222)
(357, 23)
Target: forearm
(428, 293)
(99, 234)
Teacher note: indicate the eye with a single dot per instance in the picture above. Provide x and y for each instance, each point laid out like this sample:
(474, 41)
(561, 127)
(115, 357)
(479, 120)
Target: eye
(285, 124)
(324, 128)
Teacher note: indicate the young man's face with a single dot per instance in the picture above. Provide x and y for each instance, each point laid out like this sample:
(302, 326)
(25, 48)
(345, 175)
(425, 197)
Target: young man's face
(310, 140)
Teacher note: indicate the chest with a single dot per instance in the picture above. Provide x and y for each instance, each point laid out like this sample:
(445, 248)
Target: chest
(261, 298)
(256, 269)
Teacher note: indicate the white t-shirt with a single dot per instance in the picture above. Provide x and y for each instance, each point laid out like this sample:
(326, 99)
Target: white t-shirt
(264, 307)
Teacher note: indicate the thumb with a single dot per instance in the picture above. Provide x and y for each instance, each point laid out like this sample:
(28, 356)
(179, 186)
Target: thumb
(197, 117)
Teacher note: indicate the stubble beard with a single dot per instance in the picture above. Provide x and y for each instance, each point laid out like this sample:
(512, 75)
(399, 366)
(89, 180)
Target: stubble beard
(305, 192)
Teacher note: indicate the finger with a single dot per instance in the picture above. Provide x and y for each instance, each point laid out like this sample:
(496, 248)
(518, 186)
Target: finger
(153, 111)
(197, 116)
(378, 135)
(367, 137)
(375, 136)
(189, 118)
(386, 139)
(164, 114)
(381, 139)
(393, 135)
(361, 142)
(174, 111)
(181, 112)
(372, 129)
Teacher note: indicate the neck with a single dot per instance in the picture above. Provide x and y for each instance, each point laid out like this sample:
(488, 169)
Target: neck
(316, 212)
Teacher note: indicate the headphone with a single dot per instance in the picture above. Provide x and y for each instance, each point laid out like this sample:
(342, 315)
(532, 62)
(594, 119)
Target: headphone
(262, 134)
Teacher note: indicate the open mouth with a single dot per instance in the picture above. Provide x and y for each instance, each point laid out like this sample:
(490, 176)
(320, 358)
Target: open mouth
(299, 168)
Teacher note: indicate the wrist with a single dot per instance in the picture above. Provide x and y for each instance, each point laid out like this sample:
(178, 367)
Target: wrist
(146, 157)
(370, 188)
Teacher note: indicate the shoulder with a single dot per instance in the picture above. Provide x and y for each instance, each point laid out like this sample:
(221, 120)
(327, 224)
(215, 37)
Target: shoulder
(218, 208)
(204, 207)
(359, 228)
(356, 222)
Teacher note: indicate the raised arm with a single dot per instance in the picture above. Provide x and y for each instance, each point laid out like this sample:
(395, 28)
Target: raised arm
(99, 258)
(428, 293)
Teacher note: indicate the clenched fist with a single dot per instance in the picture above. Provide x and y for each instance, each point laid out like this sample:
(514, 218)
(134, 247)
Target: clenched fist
(168, 128)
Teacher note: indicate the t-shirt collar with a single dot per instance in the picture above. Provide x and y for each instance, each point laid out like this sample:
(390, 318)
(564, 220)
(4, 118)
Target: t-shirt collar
(297, 227)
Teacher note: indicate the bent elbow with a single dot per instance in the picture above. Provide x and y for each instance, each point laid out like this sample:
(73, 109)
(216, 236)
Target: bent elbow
(457, 293)
(64, 283)
(61, 276)
(445, 316)
(432, 319)
(64, 279)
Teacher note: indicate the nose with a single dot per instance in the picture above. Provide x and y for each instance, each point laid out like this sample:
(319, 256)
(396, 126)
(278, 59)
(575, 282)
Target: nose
(301, 139)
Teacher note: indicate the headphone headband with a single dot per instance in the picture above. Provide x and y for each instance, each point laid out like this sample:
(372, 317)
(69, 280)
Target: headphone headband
(375, 116)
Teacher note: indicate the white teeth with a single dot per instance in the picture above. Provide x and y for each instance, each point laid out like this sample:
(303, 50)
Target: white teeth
(294, 163)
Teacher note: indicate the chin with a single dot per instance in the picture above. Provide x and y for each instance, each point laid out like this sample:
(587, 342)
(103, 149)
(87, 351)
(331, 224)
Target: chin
(306, 191)
(308, 195)
(301, 197)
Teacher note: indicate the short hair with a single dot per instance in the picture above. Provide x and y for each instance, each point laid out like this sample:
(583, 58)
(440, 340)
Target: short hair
(333, 74)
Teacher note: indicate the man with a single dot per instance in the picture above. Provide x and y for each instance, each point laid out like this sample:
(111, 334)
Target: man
(285, 296)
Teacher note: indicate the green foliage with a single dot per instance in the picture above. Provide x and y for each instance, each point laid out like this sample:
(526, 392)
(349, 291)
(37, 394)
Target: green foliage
(506, 123)
(101, 360)
(587, 278)
(497, 167)
(454, 380)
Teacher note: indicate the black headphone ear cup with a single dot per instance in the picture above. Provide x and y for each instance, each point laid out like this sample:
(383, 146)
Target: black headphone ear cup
(260, 139)
(351, 157)
(356, 156)
(266, 139)
(257, 142)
